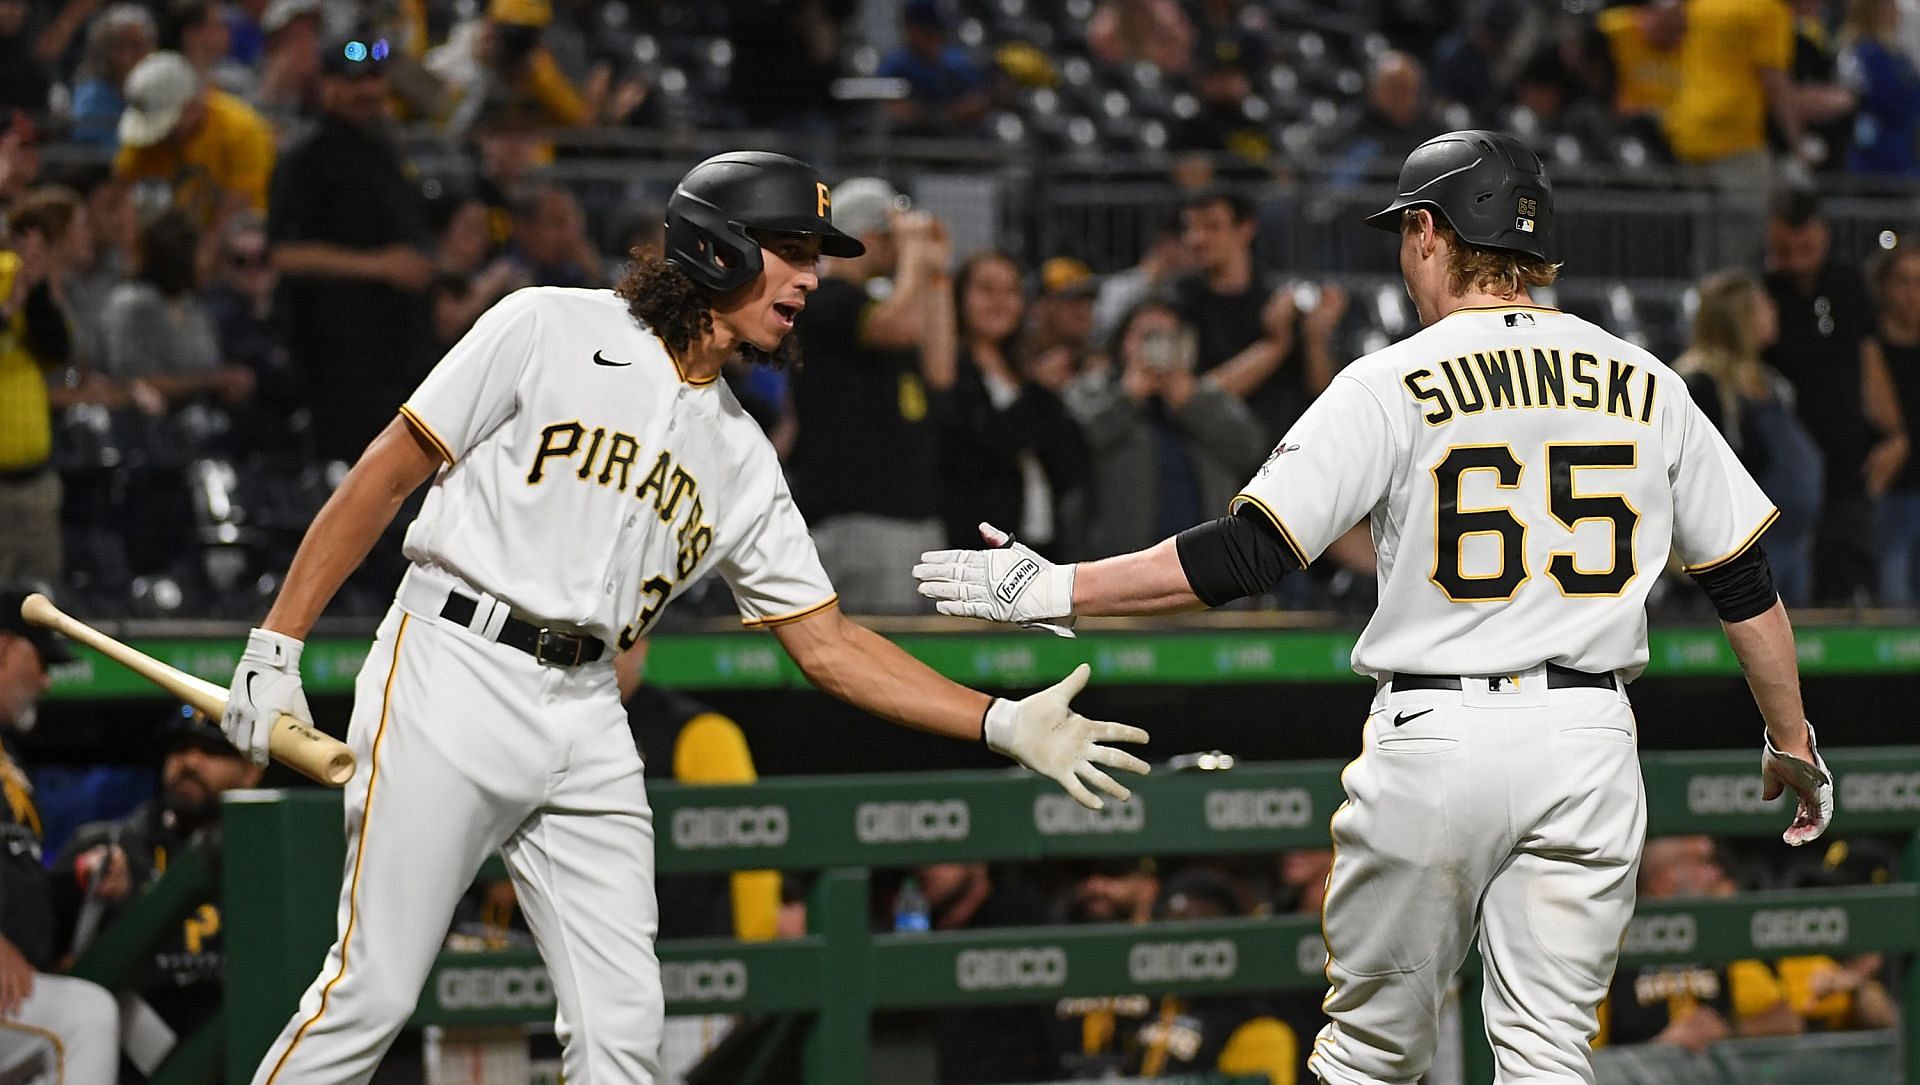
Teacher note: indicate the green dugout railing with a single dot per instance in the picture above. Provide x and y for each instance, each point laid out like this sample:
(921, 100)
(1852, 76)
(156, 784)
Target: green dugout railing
(284, 852)
(1119, 655)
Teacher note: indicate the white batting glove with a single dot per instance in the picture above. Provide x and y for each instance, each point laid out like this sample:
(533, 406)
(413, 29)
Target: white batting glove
(1045, 734)
(1812, 783)
(1008, 583)
(266, 683)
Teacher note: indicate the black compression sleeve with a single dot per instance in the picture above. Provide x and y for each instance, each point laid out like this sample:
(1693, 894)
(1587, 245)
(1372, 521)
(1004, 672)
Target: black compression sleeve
(1233, 557)
(1741, 588)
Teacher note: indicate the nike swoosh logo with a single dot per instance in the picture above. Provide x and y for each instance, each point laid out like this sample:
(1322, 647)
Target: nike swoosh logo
(600, 359)
(251, 675)
(1405, 717)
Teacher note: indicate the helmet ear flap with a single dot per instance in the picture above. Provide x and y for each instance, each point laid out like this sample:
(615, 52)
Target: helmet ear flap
(710, 250)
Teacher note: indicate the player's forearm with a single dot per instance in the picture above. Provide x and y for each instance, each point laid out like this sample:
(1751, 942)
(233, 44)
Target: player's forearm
(1150, 581)
(1764, 646)
(347, 527)
(864, 669)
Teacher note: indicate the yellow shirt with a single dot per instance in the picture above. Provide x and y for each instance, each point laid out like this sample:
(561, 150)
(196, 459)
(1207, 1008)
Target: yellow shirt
(26, 429)
(712, 749)
(1645, 78)
(232, 153)
(1720, 108)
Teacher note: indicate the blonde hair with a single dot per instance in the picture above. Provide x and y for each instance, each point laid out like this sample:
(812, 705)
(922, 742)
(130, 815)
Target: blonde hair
(1723, 345)
(1500, 272)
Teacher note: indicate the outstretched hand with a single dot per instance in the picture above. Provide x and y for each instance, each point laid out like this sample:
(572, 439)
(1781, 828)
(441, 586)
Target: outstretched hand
(1008, 583)
(1045, 734)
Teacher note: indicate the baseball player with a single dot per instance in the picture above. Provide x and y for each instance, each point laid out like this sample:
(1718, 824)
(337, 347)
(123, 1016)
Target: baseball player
(588, 466)
(1525, 475)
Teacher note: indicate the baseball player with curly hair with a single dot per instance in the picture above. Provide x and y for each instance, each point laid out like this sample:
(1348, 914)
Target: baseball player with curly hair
(588, 465)
(1526, 475)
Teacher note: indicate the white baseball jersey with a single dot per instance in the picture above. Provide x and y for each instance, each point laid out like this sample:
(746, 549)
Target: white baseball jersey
(588, 483)
(1525, 474)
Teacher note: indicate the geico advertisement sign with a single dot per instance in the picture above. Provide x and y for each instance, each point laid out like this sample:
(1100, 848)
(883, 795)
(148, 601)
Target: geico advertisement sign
(911, 822)
(493, 989)
(710, 827)
(1674, 933)
(1262, 808)
(1864, 791)
(1728, 795)
(1019, 969)
(1058, 815)
(723, 980)
(1798, 928)
(1159, 962)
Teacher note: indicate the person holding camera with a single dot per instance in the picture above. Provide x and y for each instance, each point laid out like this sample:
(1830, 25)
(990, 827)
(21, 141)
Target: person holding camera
(1167, 442)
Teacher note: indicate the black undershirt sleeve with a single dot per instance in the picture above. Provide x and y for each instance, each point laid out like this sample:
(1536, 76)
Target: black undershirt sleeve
(1233, 557)
(1741, 588)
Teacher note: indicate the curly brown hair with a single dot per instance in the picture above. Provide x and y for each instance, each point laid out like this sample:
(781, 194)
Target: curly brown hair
(680, 311)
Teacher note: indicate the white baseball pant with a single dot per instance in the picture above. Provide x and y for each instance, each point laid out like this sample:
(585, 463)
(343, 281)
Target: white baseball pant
(1515, 814)
(466, 747)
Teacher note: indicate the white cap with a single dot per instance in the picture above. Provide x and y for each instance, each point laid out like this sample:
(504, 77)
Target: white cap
(158, 89)
(281, 12)
(860, 205)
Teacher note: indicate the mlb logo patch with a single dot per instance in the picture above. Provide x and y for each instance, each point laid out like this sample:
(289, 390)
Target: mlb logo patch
(1525, 209)
(1519, 320)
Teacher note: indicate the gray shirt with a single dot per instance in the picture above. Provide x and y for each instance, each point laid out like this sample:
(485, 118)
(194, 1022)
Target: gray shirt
(147, 335)
(1224, 441)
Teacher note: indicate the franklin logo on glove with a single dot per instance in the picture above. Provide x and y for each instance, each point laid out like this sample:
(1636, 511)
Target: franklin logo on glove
(1017, 580)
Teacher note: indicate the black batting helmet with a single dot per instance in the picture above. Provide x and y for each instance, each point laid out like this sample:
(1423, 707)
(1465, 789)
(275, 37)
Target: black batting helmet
(720, 199)
(1490, 187)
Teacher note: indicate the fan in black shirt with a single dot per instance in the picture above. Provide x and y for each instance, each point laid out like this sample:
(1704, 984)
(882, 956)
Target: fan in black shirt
(1846, 398)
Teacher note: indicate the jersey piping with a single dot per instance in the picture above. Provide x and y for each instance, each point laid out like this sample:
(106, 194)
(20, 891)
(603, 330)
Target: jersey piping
(1745, 545)
(790, 616)
(1503, 308)
(1299, 552)
(359, 853)
(420, 425)
(681, 370)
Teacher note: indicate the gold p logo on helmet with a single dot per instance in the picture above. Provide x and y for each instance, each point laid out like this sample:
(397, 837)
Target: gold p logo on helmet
(826, 199)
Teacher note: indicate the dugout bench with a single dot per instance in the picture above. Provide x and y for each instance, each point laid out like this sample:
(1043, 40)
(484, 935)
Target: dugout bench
(285, 849)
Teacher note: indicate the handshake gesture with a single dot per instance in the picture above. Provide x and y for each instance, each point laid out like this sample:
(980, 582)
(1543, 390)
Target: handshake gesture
(1012, 583)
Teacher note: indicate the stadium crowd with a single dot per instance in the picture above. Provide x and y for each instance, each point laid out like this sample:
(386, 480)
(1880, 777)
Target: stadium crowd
(220, 272)
(231, 272)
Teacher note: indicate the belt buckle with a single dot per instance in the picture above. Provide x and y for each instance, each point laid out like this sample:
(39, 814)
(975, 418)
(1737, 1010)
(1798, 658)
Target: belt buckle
(547, 636)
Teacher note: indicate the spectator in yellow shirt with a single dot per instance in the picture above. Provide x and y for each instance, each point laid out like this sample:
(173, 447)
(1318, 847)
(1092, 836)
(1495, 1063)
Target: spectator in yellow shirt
(1643, 42)
(1734, 62)
(211, 150)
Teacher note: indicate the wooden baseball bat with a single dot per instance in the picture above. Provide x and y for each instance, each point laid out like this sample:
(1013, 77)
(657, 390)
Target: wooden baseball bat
(291, 742)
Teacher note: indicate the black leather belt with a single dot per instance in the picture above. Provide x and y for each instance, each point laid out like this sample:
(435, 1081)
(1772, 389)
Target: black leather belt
(1558, 677)
(546, 645)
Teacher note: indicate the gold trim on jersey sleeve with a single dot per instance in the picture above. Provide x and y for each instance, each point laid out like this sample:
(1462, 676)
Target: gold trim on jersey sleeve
(420, 425)
(791, 616)
(1745, 544)
(1299, 552)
